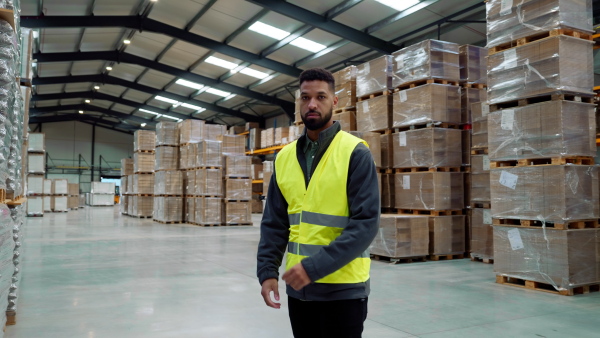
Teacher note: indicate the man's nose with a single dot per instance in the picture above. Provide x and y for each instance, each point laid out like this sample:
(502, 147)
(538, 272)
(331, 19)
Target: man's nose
(312, 104)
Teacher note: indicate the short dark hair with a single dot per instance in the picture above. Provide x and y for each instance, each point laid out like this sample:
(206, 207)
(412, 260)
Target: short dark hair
(318, 74)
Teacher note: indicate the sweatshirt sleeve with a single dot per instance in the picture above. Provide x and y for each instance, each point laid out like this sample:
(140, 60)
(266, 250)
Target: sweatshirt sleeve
(274, 233)
(364, 204)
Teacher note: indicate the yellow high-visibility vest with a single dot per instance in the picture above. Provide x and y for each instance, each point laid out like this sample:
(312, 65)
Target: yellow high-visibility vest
(318, 214)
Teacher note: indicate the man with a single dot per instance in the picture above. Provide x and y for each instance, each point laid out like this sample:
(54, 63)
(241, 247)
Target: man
(323, 206)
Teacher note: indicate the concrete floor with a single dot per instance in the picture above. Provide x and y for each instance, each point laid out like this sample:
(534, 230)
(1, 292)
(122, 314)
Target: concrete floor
(95, 273)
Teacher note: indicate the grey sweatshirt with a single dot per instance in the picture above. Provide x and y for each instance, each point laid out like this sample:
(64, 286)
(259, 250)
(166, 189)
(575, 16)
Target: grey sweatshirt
(364, 205)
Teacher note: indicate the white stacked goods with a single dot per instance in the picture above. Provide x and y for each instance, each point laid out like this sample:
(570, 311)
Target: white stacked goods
(102, 194)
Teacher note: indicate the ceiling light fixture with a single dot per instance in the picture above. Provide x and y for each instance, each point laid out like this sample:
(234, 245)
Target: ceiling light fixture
(96, 87)
(166, 99)
(143, 125)
(307, 44)
(149, 112)
(171, 117)
(254, 73)
(218, 92)
(109, 68)
(399, 5)
(88, 101)
(81, 112)
(268, 30)
(189, 84)
(191, 106)
(229, 97)
(221, 63)
(126, 42)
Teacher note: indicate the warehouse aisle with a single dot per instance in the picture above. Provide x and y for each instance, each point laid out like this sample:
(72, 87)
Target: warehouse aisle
(94, 273)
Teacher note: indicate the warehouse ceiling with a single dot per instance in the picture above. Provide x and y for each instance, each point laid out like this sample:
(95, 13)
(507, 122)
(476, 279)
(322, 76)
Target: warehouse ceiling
(128, 64)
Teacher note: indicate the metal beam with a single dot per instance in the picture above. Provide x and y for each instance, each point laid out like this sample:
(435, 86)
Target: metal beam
(78, 117)
(341, 8)
(107, 79)
(197, 17)
(333, 27)
(245, 26)
(400, 15)
(88, 107)
(141, 24)
(133, 59)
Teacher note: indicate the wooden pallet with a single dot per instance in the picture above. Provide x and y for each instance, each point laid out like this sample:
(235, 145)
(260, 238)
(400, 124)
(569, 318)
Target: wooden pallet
(429, 212)
(142, 195)
(167, 222)
(144, 172)
(446, 125)
(235, 201)
(542, 98)
(479, 151)
(11, 317)
(545, 287)
(445, 257)
(134, 216)
(385, 171)
(542, 35)
(239, 224)
(167, 195)
(167, 145)
(474, 85)
(237, 177)
(299, 123)
(418, 83)
(577, 160)
(374, 95)
(60, 211)
(482, 260)
(19, 200)
(480, 205)
(344, 109)
(145, 151)
(207, 224)
(529, 223)
(428, 169)
(398, 260)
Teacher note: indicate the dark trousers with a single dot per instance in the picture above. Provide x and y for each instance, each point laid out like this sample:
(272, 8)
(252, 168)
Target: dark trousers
(331, 319)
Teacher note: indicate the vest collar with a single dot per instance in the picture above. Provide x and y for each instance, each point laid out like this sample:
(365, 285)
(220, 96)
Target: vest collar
(325, 136)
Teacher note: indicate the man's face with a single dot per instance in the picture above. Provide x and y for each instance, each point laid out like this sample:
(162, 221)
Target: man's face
(316, 104)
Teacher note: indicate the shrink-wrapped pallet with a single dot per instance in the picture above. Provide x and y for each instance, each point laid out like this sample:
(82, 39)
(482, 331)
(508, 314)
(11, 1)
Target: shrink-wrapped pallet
(238, 166)
(267, 138)
(446, 235)
(238, 213)
(466, 142)
(36, 163)
(374, 114)
(479, 134)
(374, 143)
(212, 131)
(126, 166)
(36, 142)
(209, 154)
(473, 64)
(189, 183)
(60, 203)
(35, 185)
(425, 104)
(255, 171)
(387, 191)
(547, 129)
(143, 162)
(345, 86)
(232, 144)
(61, 187)
(428, 147)
(168, 182)
(167, 134)
(47, 203)
(468, 97)
(429, 191)
(346, 119)
(191, 131)
(402, 236)
(482, 234)
(281, 136)
(124, 204)
(167, 158)
(511, 20)
(239, 189)
(560, 64)
(143, 184)
(74, 189)
(35, 206)
(209, 182)
(387, 151)
(190, 210)
(144, 140)
(429, 59)
(143, 206)
(103, 188)
(374, 76)
(184, 156)
(208, 210)
(47, 187)
(562, 258)
(102, 200)
(479, 110)
(254, 138)
(168, 209)
(480, 188)
(73, 202)
(550, 193)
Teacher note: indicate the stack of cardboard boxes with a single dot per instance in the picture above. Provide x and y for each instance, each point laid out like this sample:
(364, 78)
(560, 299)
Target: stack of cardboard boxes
(60, 195)
(102, 194)
(237, 181)
(126, 177)
(168, 180)
(345, 90)
(140, 183)
(36, 168)
(544, 186)
(73, 199)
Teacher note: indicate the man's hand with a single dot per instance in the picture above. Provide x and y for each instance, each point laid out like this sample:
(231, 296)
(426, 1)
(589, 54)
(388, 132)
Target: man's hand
(268, 286)
(296, 277)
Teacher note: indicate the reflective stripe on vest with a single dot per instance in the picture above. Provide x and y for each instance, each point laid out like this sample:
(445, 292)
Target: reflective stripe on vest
(320, 213)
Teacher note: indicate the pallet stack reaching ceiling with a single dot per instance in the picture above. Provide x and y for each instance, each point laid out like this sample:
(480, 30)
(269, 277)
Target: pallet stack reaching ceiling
(544, 186)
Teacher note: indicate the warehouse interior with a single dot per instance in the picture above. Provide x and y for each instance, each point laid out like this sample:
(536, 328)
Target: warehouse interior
(140, 135)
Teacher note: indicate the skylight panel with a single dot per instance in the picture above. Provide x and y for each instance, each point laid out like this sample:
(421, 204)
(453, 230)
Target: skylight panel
(268, 30)
(217, 92)
(165, 99)
(254, 73)
(308, 45)
(189, 84)
(221, 63)
(399, 5)
(149, 112)
(191, 106)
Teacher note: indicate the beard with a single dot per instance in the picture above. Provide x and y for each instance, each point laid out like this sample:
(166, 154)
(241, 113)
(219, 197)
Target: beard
(316, 123)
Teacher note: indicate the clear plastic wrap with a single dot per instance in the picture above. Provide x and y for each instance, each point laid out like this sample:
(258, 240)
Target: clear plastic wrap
(560, 64)
(374, 114)
(169, 182)
(143, 206)
(191, 131)
(101, 199)
(238, 189)
(509, 20)
(387, 191)
(232, 144)
(7, 252)
(60, 203)
(346, 119)
(480, 164)
(238, 213)
(167, 158)
(479, 133)
(189, 183)
(446, 235)
(426, 60)
(345, 87)
(144, 140)
(190, 210)
(552, 193)
(402, 236)
(466, 142)
(387, 151)
(168, 209)
(267, 138)
(479, 110)
(35, 206)
(61, 186)
(428, 147)
(282, 135)
(473, 64)
(126, 166)
(212, 131)
(547, 129)
(103, 188)
(143, 184)
(374, 142)
(185, 160)
(254, 138)
(429, 190)
(562, 258)
(124, 204)
(167, 134)
(208, 210)
(36, 163)
(374, 76)
(468, 97)
(480, 188)
(35, 185)
(36, 142)
(238, 166)
(209, 182)
(427, 103)
(47, 187)
(482, 234)
(143, 162)
(209, 154)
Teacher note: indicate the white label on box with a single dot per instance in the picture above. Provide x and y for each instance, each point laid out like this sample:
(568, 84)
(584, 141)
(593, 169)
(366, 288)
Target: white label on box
(510, 58)
(508, 180)
(403, 96)
(487, 216)
(365, 105)
(406, 182)
(506, 7)
(485, 109)
(403, 139)
(400, 61)
(508, 119)
(486, 162)
(284, 140)
(514, 237)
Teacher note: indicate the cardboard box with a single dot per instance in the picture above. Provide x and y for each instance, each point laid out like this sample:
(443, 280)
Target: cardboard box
(468, 97)
(402, 236)
(144, 140)
(212, 131)
(238, 166)
(255, 169)
(167, 134)
(429, 190)
(169, 182)
(101, 199)
(254, 138)
(480, 188)
(425, 104)
(61, 187)
(74, 189)
(47, 204)
(281, 135)
(346, 119)
(480, 164)
(103, 188)
(232, 144)
(429, 147)
(208, 210)
(190, 210)
(123, 204)
(446, 235)
(238, 213)
(387, 151)
(479, 133)
(482, 234)
(209, 182)
(473, 64)
(191, 131)
(267, 138)
(374, 114)
(126, 166)
(167, 158)
(143, 184)
(209, 154)
(239, 189)
(143, 162)
(374, 142)
(374, 76)
(73, 202)
(168, 209)
(387, 191)
(252, 125)
(479, 110)
(143, 206)
(466, 141)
